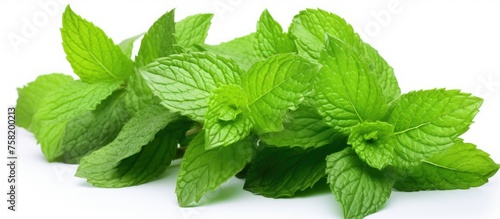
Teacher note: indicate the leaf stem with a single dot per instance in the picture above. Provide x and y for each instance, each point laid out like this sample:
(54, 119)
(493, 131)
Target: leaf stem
(194, 130)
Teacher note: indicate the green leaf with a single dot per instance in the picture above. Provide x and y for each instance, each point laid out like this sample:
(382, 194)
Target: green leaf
(93, 56)
(91, 130)
(373, 142)
(61, 106)
(461, 166)
(127, 45)
(427, 122)
(276, 85)
(158, 42)
(140, 153)
(270, 38)
(224, 122)
(309, 28)
(205, 170)
(360, 189)
(239, 49)
(139, 96)
(183, 82)
(307, 128)
(30, 96)
(193, 30)
(281, 172)
(384, 73)
(347, 93)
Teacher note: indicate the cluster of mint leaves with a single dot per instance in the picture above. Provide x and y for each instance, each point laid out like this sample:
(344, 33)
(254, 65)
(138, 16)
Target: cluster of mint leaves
(282, 110)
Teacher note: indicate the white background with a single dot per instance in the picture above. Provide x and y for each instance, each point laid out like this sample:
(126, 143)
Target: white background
(430, 44)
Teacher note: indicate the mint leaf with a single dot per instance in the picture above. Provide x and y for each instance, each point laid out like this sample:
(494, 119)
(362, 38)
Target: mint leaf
(281, 172)
(93, 56)
(270, 38)
(274, 86)
(461, 166)
(309, 28)
(159, 41)
(384, 73)
(304, 128)
(139, 96)
(360, 189)
(373, 143)
(347, 93)
(205, 170)
(140, 153)
(225, 122)
(193, 30)
(239, 49)
(62, 105)
(427, 122)
(91, 130)
(30, 96)
(127, 45)
(183, 82)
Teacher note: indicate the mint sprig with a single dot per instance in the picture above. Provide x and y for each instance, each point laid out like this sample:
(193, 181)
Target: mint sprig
(286, 110)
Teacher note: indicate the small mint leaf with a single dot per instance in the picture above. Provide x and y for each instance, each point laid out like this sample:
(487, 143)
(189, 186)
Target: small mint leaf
(93, 56)
(373, 143)
(184, 82)
(276, 85)
(127, 45)
(427, 122)
(347, 93)
(158, 42)
(140, 153)
(205, 170)
(91, 130)
(193, 30)
(31, 95)
(309, 28)
(281, 172)
(225, 122)
(461, 166)
(360, 189)
(383, 71)
(270, 38)
(63, 105)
